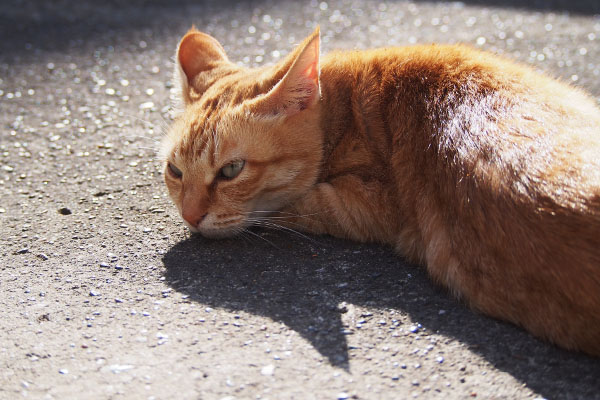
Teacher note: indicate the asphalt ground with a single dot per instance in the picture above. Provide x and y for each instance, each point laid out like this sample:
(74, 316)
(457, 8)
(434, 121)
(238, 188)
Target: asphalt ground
(103, 292)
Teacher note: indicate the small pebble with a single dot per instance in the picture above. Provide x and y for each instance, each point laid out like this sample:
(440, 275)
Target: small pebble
(94, 293)
(116, 369)
(63, 371)
(64, 211)
(104, 265)
(343, 396)
(43, 256)
(267, 370)
(146, 105)
(23, 251)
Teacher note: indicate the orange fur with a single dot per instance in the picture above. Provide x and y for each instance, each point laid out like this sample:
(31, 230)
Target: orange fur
(481, 169)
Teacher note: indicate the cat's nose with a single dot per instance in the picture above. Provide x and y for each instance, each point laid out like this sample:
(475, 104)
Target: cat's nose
(193, 217)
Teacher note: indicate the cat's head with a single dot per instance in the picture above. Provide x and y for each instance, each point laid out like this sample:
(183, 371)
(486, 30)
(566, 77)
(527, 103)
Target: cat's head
(248, 140)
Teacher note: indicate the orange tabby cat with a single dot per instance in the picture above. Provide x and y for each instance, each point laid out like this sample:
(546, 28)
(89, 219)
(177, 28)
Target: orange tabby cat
(481, 169)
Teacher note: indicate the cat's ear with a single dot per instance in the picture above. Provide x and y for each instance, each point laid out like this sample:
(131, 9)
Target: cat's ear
(197, 52)
(299, 88)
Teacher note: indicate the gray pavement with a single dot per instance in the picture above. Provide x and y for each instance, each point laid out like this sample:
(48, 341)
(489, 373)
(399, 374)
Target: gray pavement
(104, 294)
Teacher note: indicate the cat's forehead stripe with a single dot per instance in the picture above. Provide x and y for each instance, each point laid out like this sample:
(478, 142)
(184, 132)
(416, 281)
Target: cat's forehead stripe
(205, 118)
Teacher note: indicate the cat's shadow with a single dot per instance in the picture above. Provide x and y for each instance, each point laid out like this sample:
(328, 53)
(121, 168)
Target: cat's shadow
(302, 283)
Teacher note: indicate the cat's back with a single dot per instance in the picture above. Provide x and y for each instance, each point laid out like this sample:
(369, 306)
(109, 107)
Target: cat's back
(472, 109)
(445, 75)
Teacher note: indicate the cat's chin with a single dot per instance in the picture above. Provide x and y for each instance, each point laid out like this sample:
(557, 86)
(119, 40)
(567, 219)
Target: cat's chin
(211, 233)
(218, 234)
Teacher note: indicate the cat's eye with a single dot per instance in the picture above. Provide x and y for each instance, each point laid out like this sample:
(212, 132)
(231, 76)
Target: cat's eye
(174, 171)
(232, 169)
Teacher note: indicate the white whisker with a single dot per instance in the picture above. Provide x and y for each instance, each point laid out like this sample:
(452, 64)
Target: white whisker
(286, 214)
(244, 235)
(260, 237)
(265, 222)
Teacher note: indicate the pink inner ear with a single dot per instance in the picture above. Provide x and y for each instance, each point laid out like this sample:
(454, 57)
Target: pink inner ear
(300, 86)
(312, 72)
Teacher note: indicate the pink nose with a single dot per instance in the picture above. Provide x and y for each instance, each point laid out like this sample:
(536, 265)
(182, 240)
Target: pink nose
(194, 217)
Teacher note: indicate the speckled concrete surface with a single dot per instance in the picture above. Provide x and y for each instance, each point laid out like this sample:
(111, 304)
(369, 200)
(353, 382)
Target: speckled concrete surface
(105, 295)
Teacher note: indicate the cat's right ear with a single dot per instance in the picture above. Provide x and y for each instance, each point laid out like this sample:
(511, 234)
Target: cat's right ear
(197, 52)
(299, 88)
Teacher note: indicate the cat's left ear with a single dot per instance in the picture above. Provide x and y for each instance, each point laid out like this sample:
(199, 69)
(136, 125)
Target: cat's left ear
(197, 52)
(299, 88)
